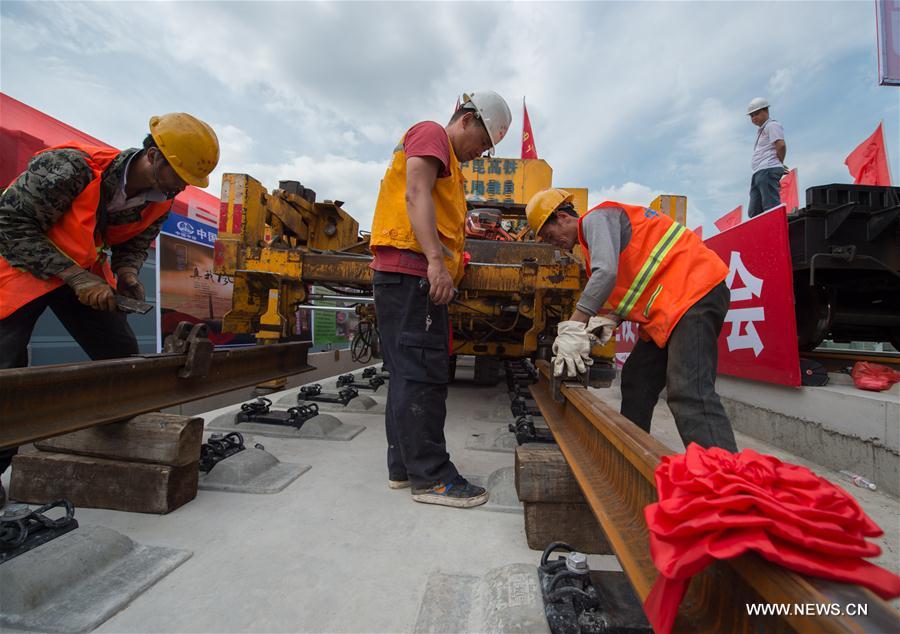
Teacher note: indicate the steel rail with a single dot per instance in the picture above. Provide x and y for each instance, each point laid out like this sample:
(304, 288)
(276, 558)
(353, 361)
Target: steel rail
(830, 356)
(42, 402)
(614, 461)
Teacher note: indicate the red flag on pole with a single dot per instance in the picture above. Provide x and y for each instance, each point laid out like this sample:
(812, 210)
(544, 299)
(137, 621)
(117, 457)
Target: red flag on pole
(528, 149)
(699, 231)
(789, 195)
(731, 219)
(868, 163)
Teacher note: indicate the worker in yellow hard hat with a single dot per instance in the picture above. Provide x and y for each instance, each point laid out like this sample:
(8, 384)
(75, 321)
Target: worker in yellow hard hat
(652, 271)
(72, 204)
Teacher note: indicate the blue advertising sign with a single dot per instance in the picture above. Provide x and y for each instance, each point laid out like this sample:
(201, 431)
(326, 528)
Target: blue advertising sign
(188, 229)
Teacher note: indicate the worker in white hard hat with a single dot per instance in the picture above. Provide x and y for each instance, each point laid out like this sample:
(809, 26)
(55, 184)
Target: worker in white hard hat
(769, 151)
(417, 239)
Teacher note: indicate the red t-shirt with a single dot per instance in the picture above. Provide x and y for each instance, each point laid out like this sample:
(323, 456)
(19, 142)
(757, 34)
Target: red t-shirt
(427, 138)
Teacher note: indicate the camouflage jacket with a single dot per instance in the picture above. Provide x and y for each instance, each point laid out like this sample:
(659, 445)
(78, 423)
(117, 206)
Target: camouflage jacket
(43, 193)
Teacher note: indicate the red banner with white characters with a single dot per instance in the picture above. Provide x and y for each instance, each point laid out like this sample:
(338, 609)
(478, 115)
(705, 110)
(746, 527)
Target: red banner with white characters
(759, 337)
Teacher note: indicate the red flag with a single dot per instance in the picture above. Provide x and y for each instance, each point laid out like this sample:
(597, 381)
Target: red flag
(699, 231)
(528, 149)
(868, 162)
(789, 191)
(731, 219)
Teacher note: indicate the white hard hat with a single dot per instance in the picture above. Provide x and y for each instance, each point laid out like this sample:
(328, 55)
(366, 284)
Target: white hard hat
(493, 112)
(757, 104)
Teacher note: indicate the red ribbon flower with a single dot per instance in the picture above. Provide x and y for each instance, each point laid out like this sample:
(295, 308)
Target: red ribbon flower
(714, 504)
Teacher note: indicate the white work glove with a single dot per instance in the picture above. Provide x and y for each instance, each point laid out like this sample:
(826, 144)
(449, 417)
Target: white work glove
(603, 326)
(572, 349)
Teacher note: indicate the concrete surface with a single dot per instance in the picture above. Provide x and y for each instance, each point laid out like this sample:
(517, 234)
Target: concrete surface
(251, 471)
(497, 438)
(501, 486)
(77, 581)
(837, 426)
(322, 426)
(505, 600)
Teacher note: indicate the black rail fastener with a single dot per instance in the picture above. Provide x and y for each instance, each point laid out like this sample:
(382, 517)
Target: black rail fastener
(348, 380)
(580, 601)
(23, 529)
(314, 393)
(260, 411)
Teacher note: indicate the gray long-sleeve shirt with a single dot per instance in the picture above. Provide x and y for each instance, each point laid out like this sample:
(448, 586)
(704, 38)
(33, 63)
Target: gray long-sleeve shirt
(607, 231)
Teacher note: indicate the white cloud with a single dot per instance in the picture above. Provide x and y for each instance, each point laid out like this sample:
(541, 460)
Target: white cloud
(234, 142)
(619, 93)
(629, 193)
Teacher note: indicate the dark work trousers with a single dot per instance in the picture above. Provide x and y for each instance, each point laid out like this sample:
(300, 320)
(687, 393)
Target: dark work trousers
(101, 334)
(417, 355)
(686, 367)
(765, 190)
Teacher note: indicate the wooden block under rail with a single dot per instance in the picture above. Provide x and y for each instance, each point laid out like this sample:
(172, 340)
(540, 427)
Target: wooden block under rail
(167, 439)
(39, 477)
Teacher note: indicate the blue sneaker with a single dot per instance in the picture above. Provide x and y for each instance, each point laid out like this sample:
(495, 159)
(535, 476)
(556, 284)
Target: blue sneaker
(458, 493)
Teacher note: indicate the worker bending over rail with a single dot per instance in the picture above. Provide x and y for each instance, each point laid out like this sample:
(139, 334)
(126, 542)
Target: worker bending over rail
(71, 205)
(417, 239)
(656, 273)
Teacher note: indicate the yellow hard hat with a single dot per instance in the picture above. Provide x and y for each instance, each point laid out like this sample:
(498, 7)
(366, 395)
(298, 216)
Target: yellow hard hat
(544, 203)
(189, 145)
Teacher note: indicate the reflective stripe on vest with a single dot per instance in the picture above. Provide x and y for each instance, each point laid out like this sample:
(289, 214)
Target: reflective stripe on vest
(651, 265)
(662, 271)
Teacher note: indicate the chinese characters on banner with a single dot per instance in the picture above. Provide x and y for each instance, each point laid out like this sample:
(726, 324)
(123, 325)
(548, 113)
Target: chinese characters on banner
(759, 336)
(495, 179)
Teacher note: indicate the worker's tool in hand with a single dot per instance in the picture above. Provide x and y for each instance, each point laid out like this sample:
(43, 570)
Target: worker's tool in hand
(129, 305)
(582, 380)
(572, 349)
(129, 285)
(90, 289)
(603, 326)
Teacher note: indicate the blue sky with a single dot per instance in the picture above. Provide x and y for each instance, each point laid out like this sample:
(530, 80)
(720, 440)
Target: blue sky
(626, 99)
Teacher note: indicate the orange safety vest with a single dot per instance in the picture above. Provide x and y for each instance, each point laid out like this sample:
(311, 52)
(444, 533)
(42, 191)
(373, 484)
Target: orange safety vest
(664, 270)
(391, 226)
(75, 235)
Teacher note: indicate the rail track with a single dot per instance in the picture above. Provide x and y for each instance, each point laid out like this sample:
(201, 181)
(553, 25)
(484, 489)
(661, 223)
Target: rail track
(45, 401)
(614, 462)
(611, 458)
(842, 359)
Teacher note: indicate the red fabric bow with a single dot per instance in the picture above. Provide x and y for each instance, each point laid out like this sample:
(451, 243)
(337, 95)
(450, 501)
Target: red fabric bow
(714, 504)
